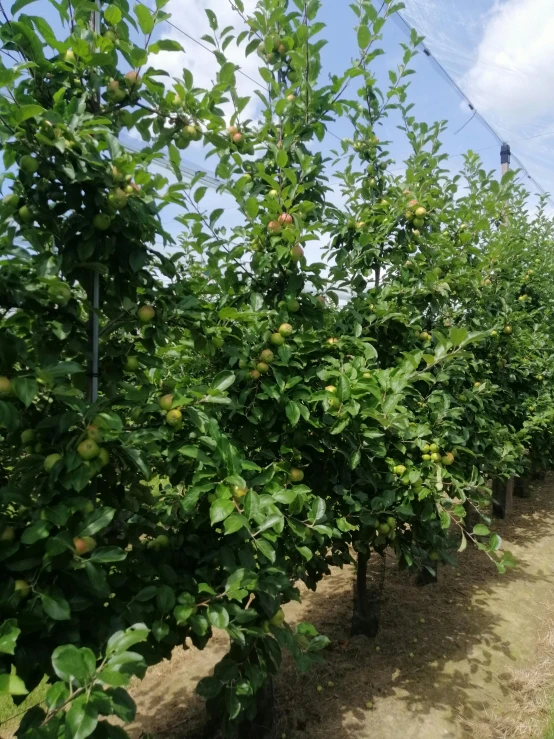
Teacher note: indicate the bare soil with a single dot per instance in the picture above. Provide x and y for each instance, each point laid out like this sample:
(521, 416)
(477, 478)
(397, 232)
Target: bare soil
(469, 656)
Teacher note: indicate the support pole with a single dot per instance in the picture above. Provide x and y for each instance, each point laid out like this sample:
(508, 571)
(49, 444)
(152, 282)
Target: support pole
(505, 154)
(94, 294)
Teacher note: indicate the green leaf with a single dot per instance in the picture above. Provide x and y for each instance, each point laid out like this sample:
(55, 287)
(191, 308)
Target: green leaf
(343, 388)
(218, 616)
(293, 412)
(124, 707)
(122, 640)
(12, 685)
(9, 632)
(112, 15)
(223, 380)
(57, 695)
(56, 607)
(19, 4)
(71, 663)
(96, 521)
(481, 530)
(145, 18)
(165, 598)
(165, 44)
(252, 208)
(458, 336)
(235, 522)
(37, 531)
(81, 719)
(364, 36)
(26, 389)
(24, 112)
(220, 509)
(104, 555)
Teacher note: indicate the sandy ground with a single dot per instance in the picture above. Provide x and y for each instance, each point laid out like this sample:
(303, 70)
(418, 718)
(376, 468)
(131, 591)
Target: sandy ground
(452, 660)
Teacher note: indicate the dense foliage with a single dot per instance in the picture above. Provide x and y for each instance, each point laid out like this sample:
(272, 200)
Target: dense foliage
(252, 430)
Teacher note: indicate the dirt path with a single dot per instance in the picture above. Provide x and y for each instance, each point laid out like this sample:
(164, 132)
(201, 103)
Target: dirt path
(471, 656)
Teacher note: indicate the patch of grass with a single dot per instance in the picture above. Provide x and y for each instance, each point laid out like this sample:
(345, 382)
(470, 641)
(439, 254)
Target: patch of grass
(11, 715)
(549, 731)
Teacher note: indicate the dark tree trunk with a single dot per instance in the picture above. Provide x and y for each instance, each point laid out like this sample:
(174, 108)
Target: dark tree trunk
(367, 601)
(521, 487)
(426, 577)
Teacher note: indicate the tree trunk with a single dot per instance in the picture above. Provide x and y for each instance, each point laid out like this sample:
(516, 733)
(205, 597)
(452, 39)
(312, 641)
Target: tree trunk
(367, 601)
(425, 577)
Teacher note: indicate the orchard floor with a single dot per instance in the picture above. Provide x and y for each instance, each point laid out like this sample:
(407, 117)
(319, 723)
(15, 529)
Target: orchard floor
(471, 656)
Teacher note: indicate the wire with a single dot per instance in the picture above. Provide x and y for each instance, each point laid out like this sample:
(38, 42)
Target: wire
(483, 120)
(466, 123)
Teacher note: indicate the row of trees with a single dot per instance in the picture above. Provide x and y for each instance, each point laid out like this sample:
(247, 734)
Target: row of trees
(252, 430)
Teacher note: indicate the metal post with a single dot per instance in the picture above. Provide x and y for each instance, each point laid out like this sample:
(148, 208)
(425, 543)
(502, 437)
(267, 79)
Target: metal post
(505, 154)
(94, 295)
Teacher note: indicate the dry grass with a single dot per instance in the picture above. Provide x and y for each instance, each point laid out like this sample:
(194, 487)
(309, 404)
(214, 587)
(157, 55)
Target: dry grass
(529, 696)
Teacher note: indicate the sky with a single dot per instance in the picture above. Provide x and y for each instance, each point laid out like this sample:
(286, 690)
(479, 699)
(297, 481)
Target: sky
(499, 52)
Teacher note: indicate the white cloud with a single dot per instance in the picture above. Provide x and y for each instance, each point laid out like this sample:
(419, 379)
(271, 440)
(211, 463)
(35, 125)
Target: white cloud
(200, 62)
(512, 76)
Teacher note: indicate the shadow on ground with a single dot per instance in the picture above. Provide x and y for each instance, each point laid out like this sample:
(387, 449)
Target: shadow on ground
(438, 651)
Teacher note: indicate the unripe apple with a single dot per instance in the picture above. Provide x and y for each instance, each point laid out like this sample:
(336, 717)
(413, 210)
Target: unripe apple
(103, 456)
(166, 402)
(11, 201)
(83, 544)
(132, 78)
(285, 329)
(267, 356)
(277, 339)
(243, 364)
(51, 460)
(291, 98)
(296, 253)
(94, 433)
(420, 212)
(262, 367)
(238, 138)
(174, 417)
(26, 214)
(28, 164)
(331, 389)
(293, 306)
(8, 534)
(285, 219)
(146, 313)
(88, 449)
(507, 329)
(296, 475)
(239, 492)
(101, 221)
(273, 194)
(5, 386)
(254, 374)
(70, 56)
(117, 199)
(448, 459)
(436, 457)
(131, 363)
(278, 619)
(23, 588)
